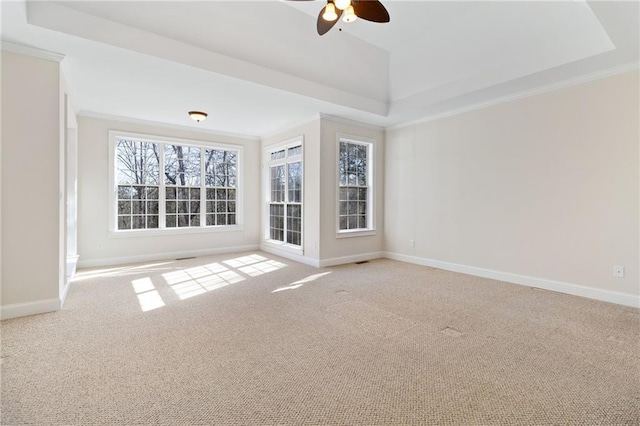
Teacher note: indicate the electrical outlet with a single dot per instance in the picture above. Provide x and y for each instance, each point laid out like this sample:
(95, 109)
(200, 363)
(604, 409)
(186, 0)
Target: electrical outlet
(412, 243)
(618, 271)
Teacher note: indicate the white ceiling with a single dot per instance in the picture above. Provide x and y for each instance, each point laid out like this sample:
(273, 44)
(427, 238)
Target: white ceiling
(257, 67)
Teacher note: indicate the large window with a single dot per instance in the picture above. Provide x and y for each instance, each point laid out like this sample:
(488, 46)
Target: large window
(284, 195)
(163, 184)
(355, 200)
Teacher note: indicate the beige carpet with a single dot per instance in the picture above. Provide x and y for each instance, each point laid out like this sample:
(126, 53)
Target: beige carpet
(255, 339)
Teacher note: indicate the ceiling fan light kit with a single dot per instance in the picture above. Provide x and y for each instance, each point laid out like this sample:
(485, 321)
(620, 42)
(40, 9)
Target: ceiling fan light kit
(349, 15)
(342, 4)
(350, 10)
(330, 14)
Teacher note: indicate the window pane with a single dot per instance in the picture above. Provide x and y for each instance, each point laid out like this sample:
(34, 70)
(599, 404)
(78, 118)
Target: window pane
(125, 192)
(221, 168)
(276, 222)
(138, 207)
(362, 222)
(152, 222)
(124, 207)
(277, 155)
(152, 207)
(295, 181)
(171, 221)
(343, 208)
(277, 183)
(124, 222)
(139, 222)
(137, 162)
(152, 193)
(181, 165)
(171, 193)
(296, 150)
(294, 212)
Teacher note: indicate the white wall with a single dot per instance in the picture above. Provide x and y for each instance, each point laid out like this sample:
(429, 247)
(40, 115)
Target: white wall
(335, 250)
(96, 246)
(541, 191)
(30, 185)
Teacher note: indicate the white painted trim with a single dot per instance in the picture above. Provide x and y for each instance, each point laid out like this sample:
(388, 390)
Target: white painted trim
(619, 298)
(291, 256)
(162, 230)
(372, 172)
(351, 259)
(30, 308)
(150, 123)
(65, 293)
(609, 72)
(32, 51)
(266, 192)
(349, 122)
(115, 261)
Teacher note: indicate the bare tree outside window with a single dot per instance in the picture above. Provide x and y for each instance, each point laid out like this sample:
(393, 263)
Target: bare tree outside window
(137, 178)
(353, 186)
(179, 177)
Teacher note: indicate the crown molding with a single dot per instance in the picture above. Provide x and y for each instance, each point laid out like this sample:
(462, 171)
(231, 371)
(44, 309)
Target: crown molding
(609, 72)
(35, 52)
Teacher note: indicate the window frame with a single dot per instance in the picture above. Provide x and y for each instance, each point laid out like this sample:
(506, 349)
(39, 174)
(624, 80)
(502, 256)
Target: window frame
(267, 164)
(371, 187)
(162, 230)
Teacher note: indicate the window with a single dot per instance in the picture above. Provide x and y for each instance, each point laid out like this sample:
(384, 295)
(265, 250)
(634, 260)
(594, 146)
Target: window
(355, 199)
(165, 183)
(284, 193)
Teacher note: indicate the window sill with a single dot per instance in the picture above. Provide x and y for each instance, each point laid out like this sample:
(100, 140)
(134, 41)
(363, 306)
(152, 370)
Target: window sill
(356, 233)
(286, 247)
(173, 231)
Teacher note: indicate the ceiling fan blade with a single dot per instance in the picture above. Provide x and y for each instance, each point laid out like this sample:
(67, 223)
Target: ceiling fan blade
(370, 10)
(324, 26)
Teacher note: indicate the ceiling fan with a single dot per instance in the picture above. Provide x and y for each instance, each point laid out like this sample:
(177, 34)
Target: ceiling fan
(349, 10)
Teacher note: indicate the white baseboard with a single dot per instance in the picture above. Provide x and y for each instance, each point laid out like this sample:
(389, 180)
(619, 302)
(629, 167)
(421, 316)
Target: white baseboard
(619, 298)
(351, 259)
(291, 256)
(321, 263)
(31, 308)
(114, 261)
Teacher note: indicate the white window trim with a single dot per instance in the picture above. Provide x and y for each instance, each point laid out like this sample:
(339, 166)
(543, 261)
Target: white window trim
(114, 232)
(371, 172)
(266, 193)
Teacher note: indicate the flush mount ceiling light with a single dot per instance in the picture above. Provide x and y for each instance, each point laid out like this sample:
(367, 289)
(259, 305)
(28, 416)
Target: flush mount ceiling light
(197, 116)
(350, 10)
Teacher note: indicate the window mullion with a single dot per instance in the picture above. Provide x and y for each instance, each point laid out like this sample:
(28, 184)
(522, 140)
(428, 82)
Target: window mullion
(203, 190)
(162, 191)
